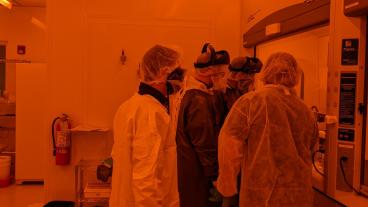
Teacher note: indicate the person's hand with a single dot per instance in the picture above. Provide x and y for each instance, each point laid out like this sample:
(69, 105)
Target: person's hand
(103, 173)
(228, 201)
(215, 195)
(214, 183)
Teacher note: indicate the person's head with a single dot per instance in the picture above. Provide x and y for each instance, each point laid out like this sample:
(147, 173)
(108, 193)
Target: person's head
(157, 64)
(281, 68)
(242, 73)
(211, 67)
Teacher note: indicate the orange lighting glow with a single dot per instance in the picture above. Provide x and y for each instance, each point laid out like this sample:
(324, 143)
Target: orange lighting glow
(6, 3)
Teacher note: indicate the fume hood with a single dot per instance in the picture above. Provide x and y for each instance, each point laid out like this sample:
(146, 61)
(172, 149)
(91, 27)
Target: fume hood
(354, 8)
(267, 22)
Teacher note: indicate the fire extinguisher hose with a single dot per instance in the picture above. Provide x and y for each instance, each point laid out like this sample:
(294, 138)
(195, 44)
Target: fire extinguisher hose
(53, 135)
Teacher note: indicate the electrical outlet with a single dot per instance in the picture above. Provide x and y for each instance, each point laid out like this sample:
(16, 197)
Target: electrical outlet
(344, 159)
(346, 153)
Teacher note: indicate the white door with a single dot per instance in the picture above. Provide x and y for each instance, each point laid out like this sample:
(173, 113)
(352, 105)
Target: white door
(30, 126)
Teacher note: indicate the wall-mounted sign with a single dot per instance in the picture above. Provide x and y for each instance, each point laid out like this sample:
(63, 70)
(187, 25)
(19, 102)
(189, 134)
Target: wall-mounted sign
(350, 49)
(347, 98)
(21, 49)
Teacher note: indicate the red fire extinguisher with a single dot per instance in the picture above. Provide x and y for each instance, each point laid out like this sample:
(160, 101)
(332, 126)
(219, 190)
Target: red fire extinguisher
(61, 139)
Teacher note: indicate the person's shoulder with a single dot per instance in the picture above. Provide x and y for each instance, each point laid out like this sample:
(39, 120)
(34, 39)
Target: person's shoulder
(141, 104)
(253, 97)
(306, 111)
(127, 103)
(135, 101)
(263, 93)
(196, 97)
(250, 95)
(195, 94)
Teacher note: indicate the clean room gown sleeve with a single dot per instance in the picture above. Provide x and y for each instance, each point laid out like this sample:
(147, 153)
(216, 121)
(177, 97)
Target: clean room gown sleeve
(201, 130)
(145, 158)
(231, 150)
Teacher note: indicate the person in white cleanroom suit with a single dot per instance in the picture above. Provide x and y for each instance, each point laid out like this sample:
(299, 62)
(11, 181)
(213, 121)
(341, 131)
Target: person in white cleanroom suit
(144, 151)
(268, 137)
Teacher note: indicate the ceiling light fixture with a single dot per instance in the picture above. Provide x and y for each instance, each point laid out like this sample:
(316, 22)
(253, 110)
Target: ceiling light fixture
(6, 3)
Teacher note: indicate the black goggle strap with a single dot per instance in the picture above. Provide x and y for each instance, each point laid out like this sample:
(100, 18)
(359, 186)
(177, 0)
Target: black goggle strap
(207, 48)
(222, 57)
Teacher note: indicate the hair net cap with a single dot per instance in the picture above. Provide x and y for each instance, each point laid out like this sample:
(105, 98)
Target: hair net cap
(154, 60)
(281, 69)
(246, 65)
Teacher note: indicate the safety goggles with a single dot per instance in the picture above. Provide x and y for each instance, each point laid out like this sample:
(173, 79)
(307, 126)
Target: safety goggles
(177, 74)
(239, 83)
(218, 75)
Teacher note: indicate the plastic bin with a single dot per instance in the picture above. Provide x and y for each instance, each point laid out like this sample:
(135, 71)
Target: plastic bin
(5, 163)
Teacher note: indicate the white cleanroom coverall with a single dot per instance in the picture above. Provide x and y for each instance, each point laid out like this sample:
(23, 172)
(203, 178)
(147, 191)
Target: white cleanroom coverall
(268, 136)
(144, 155)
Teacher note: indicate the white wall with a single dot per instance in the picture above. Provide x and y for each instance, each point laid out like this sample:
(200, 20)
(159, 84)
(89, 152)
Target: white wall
(85, 77)
(22, 26)
(17, 28)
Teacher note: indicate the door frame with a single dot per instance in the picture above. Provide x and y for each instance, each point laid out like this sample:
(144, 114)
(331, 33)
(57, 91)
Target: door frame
(363, 178)
(3, 79)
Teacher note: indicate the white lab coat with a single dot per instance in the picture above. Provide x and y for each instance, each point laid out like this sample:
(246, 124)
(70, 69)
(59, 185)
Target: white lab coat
(144, 154)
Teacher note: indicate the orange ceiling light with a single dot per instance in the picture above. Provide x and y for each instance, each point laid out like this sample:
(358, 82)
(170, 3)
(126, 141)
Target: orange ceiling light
(6, 3)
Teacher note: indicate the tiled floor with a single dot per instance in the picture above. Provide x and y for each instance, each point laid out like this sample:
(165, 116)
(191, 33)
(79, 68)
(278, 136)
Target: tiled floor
(33, 196)
(21, 196)
(351, 200)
